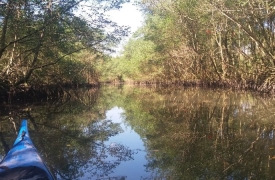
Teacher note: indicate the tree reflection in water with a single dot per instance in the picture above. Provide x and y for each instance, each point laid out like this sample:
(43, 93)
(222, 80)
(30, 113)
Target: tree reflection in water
(107, 157)
(206, 135)
(69, 136)
(187, 133)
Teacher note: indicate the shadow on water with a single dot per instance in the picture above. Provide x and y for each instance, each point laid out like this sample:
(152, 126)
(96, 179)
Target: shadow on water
(185, 133)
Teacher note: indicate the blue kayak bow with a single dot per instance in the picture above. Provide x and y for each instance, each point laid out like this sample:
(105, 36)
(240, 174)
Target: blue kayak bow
(23, 161)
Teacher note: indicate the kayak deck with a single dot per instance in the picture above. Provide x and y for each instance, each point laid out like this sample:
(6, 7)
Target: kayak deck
(23, 161)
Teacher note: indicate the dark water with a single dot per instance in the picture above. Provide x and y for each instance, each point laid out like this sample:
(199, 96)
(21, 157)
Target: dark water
(142, 133)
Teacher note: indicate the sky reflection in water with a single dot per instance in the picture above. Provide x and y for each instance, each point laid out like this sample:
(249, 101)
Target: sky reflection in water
(132, 169)
(188, 134)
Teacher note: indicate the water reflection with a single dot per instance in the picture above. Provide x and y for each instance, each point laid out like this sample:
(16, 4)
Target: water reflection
(206, 134)
(133, 169)
(138, 133)
(70, 136)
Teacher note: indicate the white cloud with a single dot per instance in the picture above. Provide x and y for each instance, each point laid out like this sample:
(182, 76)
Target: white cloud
(128, 15)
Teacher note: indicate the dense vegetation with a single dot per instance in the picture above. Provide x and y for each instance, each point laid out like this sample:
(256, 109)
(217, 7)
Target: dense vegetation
(54, 42)
(218, 42)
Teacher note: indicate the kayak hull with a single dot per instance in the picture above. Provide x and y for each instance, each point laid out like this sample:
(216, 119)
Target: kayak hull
(23, 160)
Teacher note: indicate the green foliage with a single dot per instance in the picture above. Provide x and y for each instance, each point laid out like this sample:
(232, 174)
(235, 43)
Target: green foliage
(208, 41)
(136, 62)
(38, 37)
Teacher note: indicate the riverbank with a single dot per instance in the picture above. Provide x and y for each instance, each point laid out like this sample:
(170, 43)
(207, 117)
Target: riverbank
(39, 93)
(209, 84)
(51, 92)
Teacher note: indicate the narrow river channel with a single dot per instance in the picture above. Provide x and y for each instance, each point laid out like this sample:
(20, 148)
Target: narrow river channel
(133, 133)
